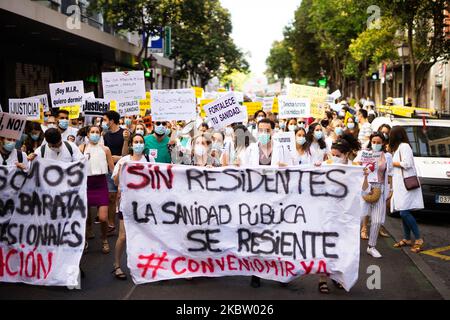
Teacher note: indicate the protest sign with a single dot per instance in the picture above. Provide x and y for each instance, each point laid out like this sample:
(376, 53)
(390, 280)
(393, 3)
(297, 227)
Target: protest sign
(370, 159)
(285, 141)
(198, 92)
(224, 111)
(336, 95)
(178, 104)
(317, 97)
(252, 107)
(144, 106)
(43, 222)
(12, 126)
(95, 107)
(275, 223)
(293, 107)
(275, 107)
(74, 111)
(268, 104)
(43, 98)
(127, 107)
(67, 95)
(126, 85)
(29, 108)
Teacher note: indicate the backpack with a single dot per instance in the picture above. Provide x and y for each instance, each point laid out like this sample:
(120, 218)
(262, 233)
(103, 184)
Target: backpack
(19, 157)
(68, 146)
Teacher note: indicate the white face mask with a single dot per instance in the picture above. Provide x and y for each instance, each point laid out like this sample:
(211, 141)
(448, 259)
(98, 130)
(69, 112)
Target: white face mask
(51, 126)
(338, 160)
(141, 132)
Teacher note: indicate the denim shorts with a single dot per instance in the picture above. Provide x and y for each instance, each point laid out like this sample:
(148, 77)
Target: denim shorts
(111, 186)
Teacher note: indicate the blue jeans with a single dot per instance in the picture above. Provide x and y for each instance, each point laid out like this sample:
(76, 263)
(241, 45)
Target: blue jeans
(409, 224)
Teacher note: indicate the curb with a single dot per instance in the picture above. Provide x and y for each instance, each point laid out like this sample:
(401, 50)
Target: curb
(423, 267)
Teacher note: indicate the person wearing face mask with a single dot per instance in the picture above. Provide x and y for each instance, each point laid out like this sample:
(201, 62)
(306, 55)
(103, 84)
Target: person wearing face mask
(302, 123)
(10, 156)
(99, 161)
(301, 155)
(55, 148)
(201, 149)
(260, 153)
(336, 132)
(34, 140)
(50, 123)
(63, 125)
(137, 155)
(158, 144)
(385, 130)
(315, 140)
(259, 115)
(292, 125)
(377, 191)
(365, 127)
(217, 146)
(113, 137)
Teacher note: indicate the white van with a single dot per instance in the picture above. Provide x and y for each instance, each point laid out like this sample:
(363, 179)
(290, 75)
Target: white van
(431, 147)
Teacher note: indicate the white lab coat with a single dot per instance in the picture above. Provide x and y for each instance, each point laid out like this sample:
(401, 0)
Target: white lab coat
(251, 156)
(403, 199)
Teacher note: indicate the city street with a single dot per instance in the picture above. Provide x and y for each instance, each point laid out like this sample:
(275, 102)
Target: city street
(400, 277)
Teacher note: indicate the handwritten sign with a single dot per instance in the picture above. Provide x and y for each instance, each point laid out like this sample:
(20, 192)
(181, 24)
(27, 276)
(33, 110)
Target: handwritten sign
(275, 223)
(43, 223)
(29, 108)
(12, 126)
(293, 108)
(127, 85)
(43, 98)
(128, 107)
(67, 94)
(317, 97)
(224, 111)
(178, 104)
(268, 104)
(252, 107)
(285, 140)
(96, 107)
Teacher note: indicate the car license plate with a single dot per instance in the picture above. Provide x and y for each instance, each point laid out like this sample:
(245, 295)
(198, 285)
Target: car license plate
(442, 199)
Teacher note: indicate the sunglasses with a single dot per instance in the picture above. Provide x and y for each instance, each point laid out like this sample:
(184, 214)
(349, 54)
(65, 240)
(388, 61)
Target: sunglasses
(161, 123)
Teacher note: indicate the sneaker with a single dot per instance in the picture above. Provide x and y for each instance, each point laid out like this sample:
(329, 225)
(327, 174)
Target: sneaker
(373, 252)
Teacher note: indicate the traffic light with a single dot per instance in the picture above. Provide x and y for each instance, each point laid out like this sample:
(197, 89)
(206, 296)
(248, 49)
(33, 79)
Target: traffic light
(323, 82)
(148, 73)
(375, 76)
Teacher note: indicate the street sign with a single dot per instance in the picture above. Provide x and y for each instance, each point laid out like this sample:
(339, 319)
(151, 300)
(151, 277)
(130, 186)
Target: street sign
(156, 43)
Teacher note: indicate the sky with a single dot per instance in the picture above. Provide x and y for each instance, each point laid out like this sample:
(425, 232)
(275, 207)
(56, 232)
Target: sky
(257, 24)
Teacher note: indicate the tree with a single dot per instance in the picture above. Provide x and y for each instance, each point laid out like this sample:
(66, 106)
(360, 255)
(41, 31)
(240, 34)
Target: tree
(423, 25)
(279, 62)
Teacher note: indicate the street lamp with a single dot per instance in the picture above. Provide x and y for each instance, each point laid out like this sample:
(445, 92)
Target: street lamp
(403, 53)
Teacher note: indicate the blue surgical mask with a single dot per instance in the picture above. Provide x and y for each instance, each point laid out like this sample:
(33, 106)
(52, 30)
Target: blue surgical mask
(356, 120)
(377, 147)
(301, 125)
(128, 122)
(141, 132)
(168, 132)
(64, 124)
(35, 137)
(351, 125)
(160, 130)
(105, 126)
(45, 119)
(301, 140)
(339, 131)
(292, 127)
(264, 138)
(138, 148)
(318, 135)
(94, 138)
(282, 125)
(9, 146)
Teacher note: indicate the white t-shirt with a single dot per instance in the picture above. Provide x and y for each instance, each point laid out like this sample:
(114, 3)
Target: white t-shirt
(62, 155)
(128, 158)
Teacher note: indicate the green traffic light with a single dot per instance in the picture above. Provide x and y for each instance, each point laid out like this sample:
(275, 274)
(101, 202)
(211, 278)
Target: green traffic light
(147, 74)
(322, 82)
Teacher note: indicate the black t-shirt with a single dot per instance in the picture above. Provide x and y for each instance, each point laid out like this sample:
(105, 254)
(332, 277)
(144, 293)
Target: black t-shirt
(114, 141)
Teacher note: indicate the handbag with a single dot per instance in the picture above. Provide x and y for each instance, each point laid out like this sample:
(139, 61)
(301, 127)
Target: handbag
(411, 183)
(373, 196)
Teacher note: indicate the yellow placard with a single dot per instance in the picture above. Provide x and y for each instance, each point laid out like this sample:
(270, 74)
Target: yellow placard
(41, 115)
(222, 90)
(198, 92)
(204, 102)
(144, 105)
(113, 105)
(147, 95)
(275, 107)
(252, 107)
(74, 111)
(317, 96)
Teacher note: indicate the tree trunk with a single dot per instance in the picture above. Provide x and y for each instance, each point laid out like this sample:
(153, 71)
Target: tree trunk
(412, 61)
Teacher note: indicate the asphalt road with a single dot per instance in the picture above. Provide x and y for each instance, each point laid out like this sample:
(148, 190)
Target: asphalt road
(400, 279)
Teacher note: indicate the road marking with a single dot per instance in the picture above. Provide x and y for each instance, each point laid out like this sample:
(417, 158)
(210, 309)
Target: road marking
(437, 253)
(128, 295)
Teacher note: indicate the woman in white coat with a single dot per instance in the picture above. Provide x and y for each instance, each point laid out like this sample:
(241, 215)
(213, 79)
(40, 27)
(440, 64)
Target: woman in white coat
(403, 200)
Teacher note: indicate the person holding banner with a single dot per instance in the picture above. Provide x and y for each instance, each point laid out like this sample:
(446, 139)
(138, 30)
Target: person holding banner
(10, 156)
(316, 143)
(303, 154)
(201, 152)
(63, 125)
(159, 145)
(99, 160)
(34, 139)
(137, 155)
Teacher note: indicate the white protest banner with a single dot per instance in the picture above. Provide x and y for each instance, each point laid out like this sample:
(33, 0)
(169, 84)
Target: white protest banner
(12, 126)
(43, 222)
(268, 104)
(336, 95)
(95, 107)
(29, 108)
(128, 107)
(275, 223)
(178, 104)
(43, 98)
(67, 94)
(224, 111)
(126, 85)
(293, 107)
(285, 141)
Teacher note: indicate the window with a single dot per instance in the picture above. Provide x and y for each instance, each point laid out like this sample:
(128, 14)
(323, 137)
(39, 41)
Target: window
(430, 142)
